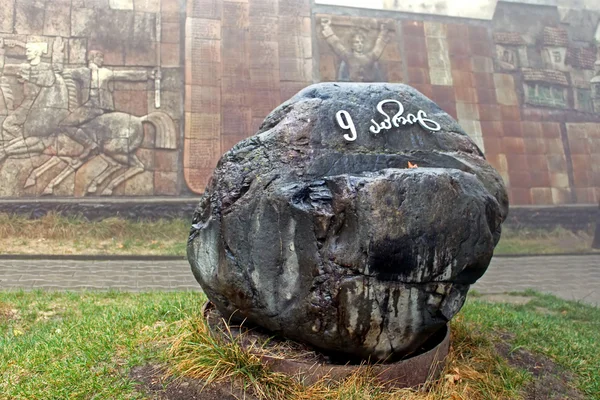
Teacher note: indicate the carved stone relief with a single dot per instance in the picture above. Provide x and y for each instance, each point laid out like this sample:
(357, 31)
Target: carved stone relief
(358, 49)
(56, 119)
(559, 73)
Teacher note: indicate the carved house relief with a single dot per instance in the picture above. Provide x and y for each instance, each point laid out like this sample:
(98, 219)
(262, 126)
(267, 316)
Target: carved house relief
(555, 44)
(511, 51)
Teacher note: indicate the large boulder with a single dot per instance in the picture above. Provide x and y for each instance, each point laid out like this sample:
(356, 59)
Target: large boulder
(326, 236)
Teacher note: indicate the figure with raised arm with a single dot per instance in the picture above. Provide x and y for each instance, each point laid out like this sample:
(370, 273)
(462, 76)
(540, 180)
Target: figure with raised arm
(358, 65)
(96, 84)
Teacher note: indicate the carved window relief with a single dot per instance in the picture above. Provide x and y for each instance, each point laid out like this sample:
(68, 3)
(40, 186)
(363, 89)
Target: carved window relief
(584, 100)
(557, 56)
(542, 94)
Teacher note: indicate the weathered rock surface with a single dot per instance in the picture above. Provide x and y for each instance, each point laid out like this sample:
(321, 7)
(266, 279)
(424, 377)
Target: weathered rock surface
(338, 243)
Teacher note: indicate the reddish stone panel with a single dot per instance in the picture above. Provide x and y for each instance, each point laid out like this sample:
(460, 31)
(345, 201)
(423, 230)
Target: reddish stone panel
(463, 78)
(520, 196)
(516, 162)
(542, 196)
(481, 48)
(264, 28)
(427, 90)
(489, 112)
(327, 69)
(417, 60)
(513, 145)
(449, 107)
(264, 54)
(394, 71)
(466, 94)
(484, 80)
(170, 32)
(294, 8)
(264, 101)
(289, 89)
(197, 178)
(512, 129)
(579, 146)
(205, 99)
(227, 142)
(264, 8)
(493, 145)
(535, 146)
(418, 76)
(459, 48)
(551, 130)
(202, 126)
(541, 178)
(460, 63)
(165, 183)
(413, 28)
(510, 113)
(532, 129)
(486, 96)
(238, 121)
(443, 94)
(492, 129)
(131, 102)
(166, 160)
(478, 33)
(265, 79)
(457, 32)
(205, 74)
(170, 54)
(212, 9)
(235, 90)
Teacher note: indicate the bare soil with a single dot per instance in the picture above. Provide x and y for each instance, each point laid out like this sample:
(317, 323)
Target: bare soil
(157, 384)
(550, 381)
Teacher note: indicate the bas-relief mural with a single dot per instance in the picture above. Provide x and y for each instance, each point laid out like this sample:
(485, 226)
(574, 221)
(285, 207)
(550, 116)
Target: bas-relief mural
(357, 62)
(358, 46)
(68, 114)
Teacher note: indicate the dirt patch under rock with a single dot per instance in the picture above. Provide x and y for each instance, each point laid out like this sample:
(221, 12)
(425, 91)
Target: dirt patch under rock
(155, 383)
(550, 381)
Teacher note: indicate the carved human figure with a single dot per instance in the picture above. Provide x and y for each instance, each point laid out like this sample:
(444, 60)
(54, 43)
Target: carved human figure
(357, 64)
(96, 83)
(45, 98)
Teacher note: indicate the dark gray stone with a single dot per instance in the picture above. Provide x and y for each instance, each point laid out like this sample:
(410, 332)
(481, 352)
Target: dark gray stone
(339, 244)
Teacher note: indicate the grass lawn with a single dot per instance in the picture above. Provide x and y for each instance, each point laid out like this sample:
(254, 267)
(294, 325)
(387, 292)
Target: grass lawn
(56, 345)
(54, 234)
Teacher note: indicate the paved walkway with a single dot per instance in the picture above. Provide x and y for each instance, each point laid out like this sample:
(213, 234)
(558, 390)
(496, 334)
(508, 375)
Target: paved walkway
(569, 277)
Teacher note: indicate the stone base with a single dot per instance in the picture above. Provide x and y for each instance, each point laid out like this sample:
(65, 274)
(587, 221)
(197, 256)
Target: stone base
(310, 366)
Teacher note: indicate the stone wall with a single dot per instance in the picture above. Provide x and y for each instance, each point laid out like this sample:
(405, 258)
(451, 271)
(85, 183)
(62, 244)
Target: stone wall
(91, 97)
(520, 76)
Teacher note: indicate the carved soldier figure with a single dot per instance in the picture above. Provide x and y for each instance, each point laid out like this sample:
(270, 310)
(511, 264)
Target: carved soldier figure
(357, 64)
(45, 99)
(96, 83)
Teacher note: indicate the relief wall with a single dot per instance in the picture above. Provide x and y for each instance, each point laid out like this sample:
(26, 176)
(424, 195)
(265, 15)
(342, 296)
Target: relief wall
(525, 86)
(142, 97)
(90, 97)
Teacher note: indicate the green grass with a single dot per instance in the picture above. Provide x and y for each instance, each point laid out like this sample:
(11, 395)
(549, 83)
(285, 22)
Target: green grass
(565, 331)
(81, 345)
(56, 345)
(538, 241)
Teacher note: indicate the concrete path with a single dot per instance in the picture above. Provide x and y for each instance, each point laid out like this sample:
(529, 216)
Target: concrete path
(569, 277)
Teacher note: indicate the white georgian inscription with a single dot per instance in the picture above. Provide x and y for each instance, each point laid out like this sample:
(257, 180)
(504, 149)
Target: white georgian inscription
(344, 120)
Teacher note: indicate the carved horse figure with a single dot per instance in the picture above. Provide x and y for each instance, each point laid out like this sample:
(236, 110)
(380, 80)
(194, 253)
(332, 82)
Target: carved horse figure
(117, 136)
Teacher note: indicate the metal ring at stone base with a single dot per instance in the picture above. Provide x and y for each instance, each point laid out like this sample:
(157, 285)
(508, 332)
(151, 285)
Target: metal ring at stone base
(411, 372)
